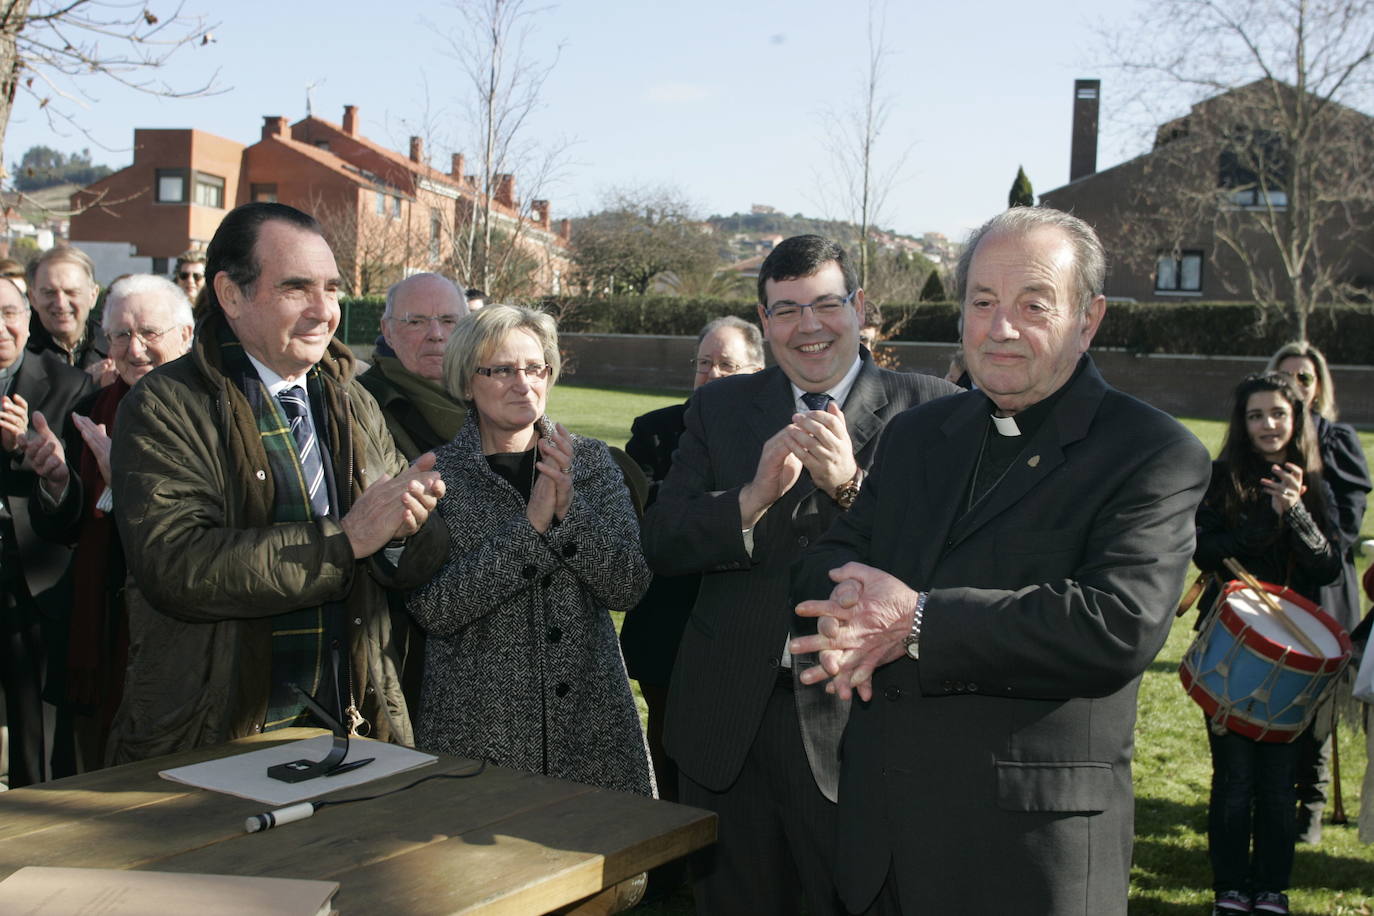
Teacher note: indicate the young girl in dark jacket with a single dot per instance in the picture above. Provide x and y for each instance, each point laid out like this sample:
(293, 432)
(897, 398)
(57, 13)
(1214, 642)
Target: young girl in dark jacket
(1266, 507)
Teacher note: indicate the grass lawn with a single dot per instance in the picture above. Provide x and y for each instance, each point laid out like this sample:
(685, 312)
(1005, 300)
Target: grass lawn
(1171, 875)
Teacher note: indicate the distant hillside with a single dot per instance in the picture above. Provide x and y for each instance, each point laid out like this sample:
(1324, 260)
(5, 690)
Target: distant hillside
(781, 224)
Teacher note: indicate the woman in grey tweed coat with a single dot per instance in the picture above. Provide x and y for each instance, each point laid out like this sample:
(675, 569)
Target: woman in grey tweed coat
(522, 665)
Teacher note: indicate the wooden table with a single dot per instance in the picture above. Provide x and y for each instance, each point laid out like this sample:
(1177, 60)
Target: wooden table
(503, 842)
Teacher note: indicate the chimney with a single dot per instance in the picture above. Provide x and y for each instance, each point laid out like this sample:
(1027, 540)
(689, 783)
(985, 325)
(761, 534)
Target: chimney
(540, 209)
(417, 149)
(505, 189)
(565, 229)
(1083, 152)
(455, 170)
(350, 121)
(273, 126)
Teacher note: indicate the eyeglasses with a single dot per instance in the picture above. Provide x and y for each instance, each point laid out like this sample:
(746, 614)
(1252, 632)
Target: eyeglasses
(506, 373)
(1305, 378)
(149, 336)
(727, 367)
(418, 322)
(824, 307)
(12, 313)
(187, 275)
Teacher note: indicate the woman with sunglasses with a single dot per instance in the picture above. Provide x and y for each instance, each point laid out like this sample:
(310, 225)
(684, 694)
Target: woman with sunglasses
(1266, 507)
(1345, 471)
(522, 665)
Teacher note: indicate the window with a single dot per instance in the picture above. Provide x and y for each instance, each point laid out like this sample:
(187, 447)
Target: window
(264, 193)
(396, 207)
(1180, 273)
(381, 204)
(436, 231)
(171, 186)
(161, 266)
(183, 186)
(1259, 197)
(209, 190)
(1253, 169)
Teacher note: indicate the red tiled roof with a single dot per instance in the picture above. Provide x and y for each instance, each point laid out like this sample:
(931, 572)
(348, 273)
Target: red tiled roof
(420, 169)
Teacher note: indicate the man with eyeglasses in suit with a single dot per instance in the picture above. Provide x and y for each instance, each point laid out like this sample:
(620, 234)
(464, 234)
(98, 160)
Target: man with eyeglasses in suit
(649, 637)
(766, 462)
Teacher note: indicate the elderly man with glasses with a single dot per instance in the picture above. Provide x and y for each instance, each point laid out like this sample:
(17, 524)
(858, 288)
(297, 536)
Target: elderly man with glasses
(407, 379)
(767, 461)
(148, 322)
(653, 628)
(407, 374)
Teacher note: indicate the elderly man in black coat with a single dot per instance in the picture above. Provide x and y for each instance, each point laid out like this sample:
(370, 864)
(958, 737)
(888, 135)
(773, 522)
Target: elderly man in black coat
(995, 595)
(34, 597)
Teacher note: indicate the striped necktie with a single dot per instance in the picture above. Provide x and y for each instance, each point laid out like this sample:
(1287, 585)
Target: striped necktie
(307, 446)
(816, 400)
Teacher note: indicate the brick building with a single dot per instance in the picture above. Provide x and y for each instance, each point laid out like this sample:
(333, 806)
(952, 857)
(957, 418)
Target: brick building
(1191, 218)
(387, 215)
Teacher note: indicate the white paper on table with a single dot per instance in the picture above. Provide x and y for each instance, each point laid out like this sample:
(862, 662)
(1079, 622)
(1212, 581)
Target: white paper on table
(110, 892)
(245, 775)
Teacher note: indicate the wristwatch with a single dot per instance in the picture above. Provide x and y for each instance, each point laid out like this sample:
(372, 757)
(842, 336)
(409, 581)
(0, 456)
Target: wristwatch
(847, 492)
(912, 641)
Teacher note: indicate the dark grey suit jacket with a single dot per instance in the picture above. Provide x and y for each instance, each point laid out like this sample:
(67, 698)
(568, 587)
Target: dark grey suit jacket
(999, 766)
(728, 660)
(51, 387)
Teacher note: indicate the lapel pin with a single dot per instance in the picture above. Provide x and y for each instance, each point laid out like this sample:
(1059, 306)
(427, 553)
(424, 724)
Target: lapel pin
(1033, 460)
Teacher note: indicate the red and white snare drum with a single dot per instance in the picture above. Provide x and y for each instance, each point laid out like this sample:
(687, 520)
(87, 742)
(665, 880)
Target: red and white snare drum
(1251, 675)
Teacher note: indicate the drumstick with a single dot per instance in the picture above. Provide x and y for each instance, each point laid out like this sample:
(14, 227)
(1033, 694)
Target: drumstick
(1338, 805)
(1274, 607)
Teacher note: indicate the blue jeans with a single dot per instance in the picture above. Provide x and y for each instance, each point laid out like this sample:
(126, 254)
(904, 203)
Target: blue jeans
(1252, 796)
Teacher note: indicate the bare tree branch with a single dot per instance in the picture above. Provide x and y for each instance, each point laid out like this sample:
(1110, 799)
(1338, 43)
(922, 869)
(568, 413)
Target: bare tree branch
(49, 50)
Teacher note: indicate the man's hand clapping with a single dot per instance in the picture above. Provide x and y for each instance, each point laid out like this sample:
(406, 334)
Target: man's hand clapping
(393, 507)
(861, 627)
(820, 440)
(44, 454)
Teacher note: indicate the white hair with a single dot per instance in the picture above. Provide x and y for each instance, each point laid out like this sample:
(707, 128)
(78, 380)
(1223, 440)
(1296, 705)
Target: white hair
(149, 285)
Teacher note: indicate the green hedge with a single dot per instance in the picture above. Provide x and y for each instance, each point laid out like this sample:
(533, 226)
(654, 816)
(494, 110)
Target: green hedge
(1345, 333)
(643, 314)
(359, 324)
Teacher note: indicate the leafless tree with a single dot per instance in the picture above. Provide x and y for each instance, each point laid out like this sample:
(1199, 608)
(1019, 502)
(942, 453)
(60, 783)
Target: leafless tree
(642, 236)
(50, 49)
(373, 251)
(860, 177)
(504, 79)
(1286, 183)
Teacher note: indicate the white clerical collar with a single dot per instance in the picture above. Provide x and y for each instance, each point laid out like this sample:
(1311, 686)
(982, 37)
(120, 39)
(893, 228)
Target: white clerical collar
(1006, 425)
(838, 391)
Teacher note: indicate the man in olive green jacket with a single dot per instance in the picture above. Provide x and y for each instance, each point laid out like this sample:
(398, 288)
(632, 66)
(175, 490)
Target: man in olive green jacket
(407, 374)
(240, 518)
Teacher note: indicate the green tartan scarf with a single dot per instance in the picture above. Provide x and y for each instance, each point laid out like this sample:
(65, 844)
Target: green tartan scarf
(297, 636)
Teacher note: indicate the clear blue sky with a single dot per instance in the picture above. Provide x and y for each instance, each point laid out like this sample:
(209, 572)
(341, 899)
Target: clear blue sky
(723, 100)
